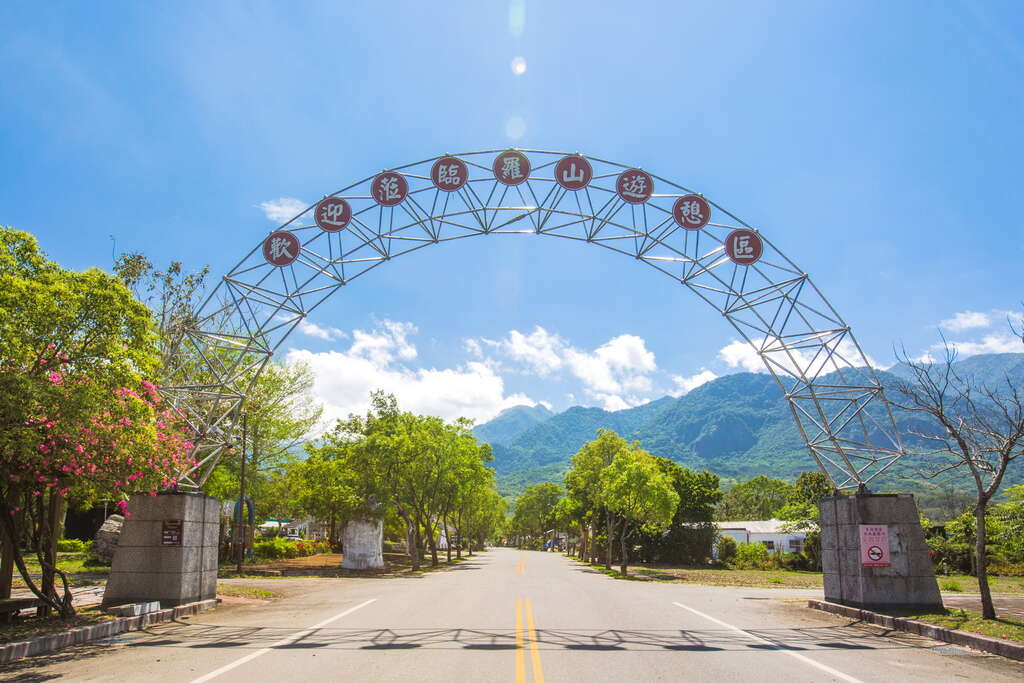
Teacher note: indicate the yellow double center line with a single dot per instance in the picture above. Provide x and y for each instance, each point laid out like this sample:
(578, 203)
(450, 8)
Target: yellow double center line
(529, 635)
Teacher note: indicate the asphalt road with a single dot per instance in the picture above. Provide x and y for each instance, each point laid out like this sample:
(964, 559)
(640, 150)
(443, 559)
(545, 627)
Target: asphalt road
(516, 616)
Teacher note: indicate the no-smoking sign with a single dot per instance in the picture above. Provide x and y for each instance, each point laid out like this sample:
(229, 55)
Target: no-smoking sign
(874, 545)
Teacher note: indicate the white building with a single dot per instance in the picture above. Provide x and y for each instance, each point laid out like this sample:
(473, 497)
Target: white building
(767, 532)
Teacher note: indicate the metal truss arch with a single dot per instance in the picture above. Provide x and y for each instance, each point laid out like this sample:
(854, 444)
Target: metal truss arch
(836, 400)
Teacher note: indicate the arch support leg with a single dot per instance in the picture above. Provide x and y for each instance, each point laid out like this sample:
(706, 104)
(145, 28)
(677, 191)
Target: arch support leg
(873, 553)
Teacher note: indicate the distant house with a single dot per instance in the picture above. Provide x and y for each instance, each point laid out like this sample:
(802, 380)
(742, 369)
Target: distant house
(767, 532)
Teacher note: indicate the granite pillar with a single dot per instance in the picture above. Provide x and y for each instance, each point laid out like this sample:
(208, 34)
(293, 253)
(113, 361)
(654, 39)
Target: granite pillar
(167, 551)
(908, 583)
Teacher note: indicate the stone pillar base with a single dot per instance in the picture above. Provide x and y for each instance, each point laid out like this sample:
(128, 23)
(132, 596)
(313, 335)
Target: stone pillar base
(153, 561)
(363, 541)
(909, 583)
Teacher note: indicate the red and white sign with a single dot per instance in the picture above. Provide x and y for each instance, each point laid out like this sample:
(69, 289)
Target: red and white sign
(449, 174)
(744, 247)
(281, 248)
(691, 212)
(634, 186)
(874, 545)
(332, 214)
(573, 172)
(511, 168)
(389, 188)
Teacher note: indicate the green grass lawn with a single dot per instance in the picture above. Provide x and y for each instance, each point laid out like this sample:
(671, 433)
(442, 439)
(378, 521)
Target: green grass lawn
(72, 563)
(781, 578)
(966, 620)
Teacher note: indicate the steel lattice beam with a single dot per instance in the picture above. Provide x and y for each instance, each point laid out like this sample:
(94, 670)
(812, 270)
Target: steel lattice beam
(836, 400)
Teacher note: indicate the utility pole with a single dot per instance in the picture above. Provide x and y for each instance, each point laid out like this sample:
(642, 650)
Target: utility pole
(242, 526)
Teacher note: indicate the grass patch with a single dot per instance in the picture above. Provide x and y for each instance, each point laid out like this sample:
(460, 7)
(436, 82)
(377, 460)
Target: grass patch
(784, 578)
(967, 620)
(246, 592)
(25, 627)
(79, 574)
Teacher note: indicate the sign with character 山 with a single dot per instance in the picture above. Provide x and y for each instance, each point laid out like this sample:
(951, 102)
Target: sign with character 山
(874, 545)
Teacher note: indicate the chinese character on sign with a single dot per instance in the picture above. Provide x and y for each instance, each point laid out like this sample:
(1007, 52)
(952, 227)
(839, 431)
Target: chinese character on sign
(511, 168)
(389, 189)
(573, 172)
(634, 186)
(743, 247)
(449, 174)
(874, 545)
(332, 214)
(691, 212)
(281, 248)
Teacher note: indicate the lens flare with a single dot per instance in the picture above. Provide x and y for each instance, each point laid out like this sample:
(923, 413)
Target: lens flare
(518, 66)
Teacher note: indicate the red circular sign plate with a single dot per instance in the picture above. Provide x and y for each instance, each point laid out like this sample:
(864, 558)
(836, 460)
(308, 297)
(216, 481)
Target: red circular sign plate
(332, 214)
(691, 212)
(281, 248)
(511, 168)
(634, 186)
(449, 174)
(744, 247)
(389, 188)
(573, 172)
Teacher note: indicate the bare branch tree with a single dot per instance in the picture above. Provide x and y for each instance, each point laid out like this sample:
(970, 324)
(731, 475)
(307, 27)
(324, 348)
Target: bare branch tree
(978, 432)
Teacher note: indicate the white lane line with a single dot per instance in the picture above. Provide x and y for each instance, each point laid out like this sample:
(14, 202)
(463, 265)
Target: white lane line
(796, 655)
(281, 643)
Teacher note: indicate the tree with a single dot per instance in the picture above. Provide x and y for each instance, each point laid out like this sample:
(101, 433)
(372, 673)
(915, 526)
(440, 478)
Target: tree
(635, 489)
(753, 500)
(534, 512)
(583, 483)
(976, 431)
(78, 419)
(279, 412)
(417, 464)
(690, 536)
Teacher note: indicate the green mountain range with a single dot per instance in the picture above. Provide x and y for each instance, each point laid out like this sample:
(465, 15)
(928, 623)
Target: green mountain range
(737, 426)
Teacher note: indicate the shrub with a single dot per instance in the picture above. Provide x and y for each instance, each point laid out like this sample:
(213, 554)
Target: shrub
(71, 545)
(726, 548)
(750, 556)
(282, 549)
(951, 586)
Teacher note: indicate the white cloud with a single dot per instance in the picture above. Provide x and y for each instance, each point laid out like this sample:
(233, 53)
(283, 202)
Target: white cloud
(344, 380)
(615, 374)
(991, 343)
(380, 345)
(685, 385)
(740, 354)
(540, 351)
(744, 355)
(282, 209)
(966, 320)
(619, 366)
(326, 333)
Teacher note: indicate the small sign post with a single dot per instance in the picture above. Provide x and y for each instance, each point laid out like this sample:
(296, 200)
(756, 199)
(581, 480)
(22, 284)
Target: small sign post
(170, 533)
(874, 545)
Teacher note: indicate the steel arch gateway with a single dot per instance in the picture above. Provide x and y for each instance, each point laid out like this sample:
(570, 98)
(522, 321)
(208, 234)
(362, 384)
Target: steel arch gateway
(836, 400)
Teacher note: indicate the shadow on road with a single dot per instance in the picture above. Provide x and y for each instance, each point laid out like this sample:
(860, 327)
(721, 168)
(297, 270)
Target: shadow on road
(847, 637)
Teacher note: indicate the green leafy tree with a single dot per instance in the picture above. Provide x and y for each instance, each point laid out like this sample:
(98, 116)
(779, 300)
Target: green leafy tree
(691, 534)
(755, 499)
(534, 512)
(640, 494)
(583, 483)
(75, 351)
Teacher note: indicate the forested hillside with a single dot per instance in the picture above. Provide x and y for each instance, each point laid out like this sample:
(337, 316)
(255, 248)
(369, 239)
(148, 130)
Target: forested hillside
(737, 426)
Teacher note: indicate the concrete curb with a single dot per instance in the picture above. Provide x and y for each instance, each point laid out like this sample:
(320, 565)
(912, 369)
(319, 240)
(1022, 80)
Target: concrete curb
(85, 634)
(1003, 648)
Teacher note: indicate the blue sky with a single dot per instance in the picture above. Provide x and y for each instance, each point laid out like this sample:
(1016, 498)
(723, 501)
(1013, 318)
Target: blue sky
(878, 144)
